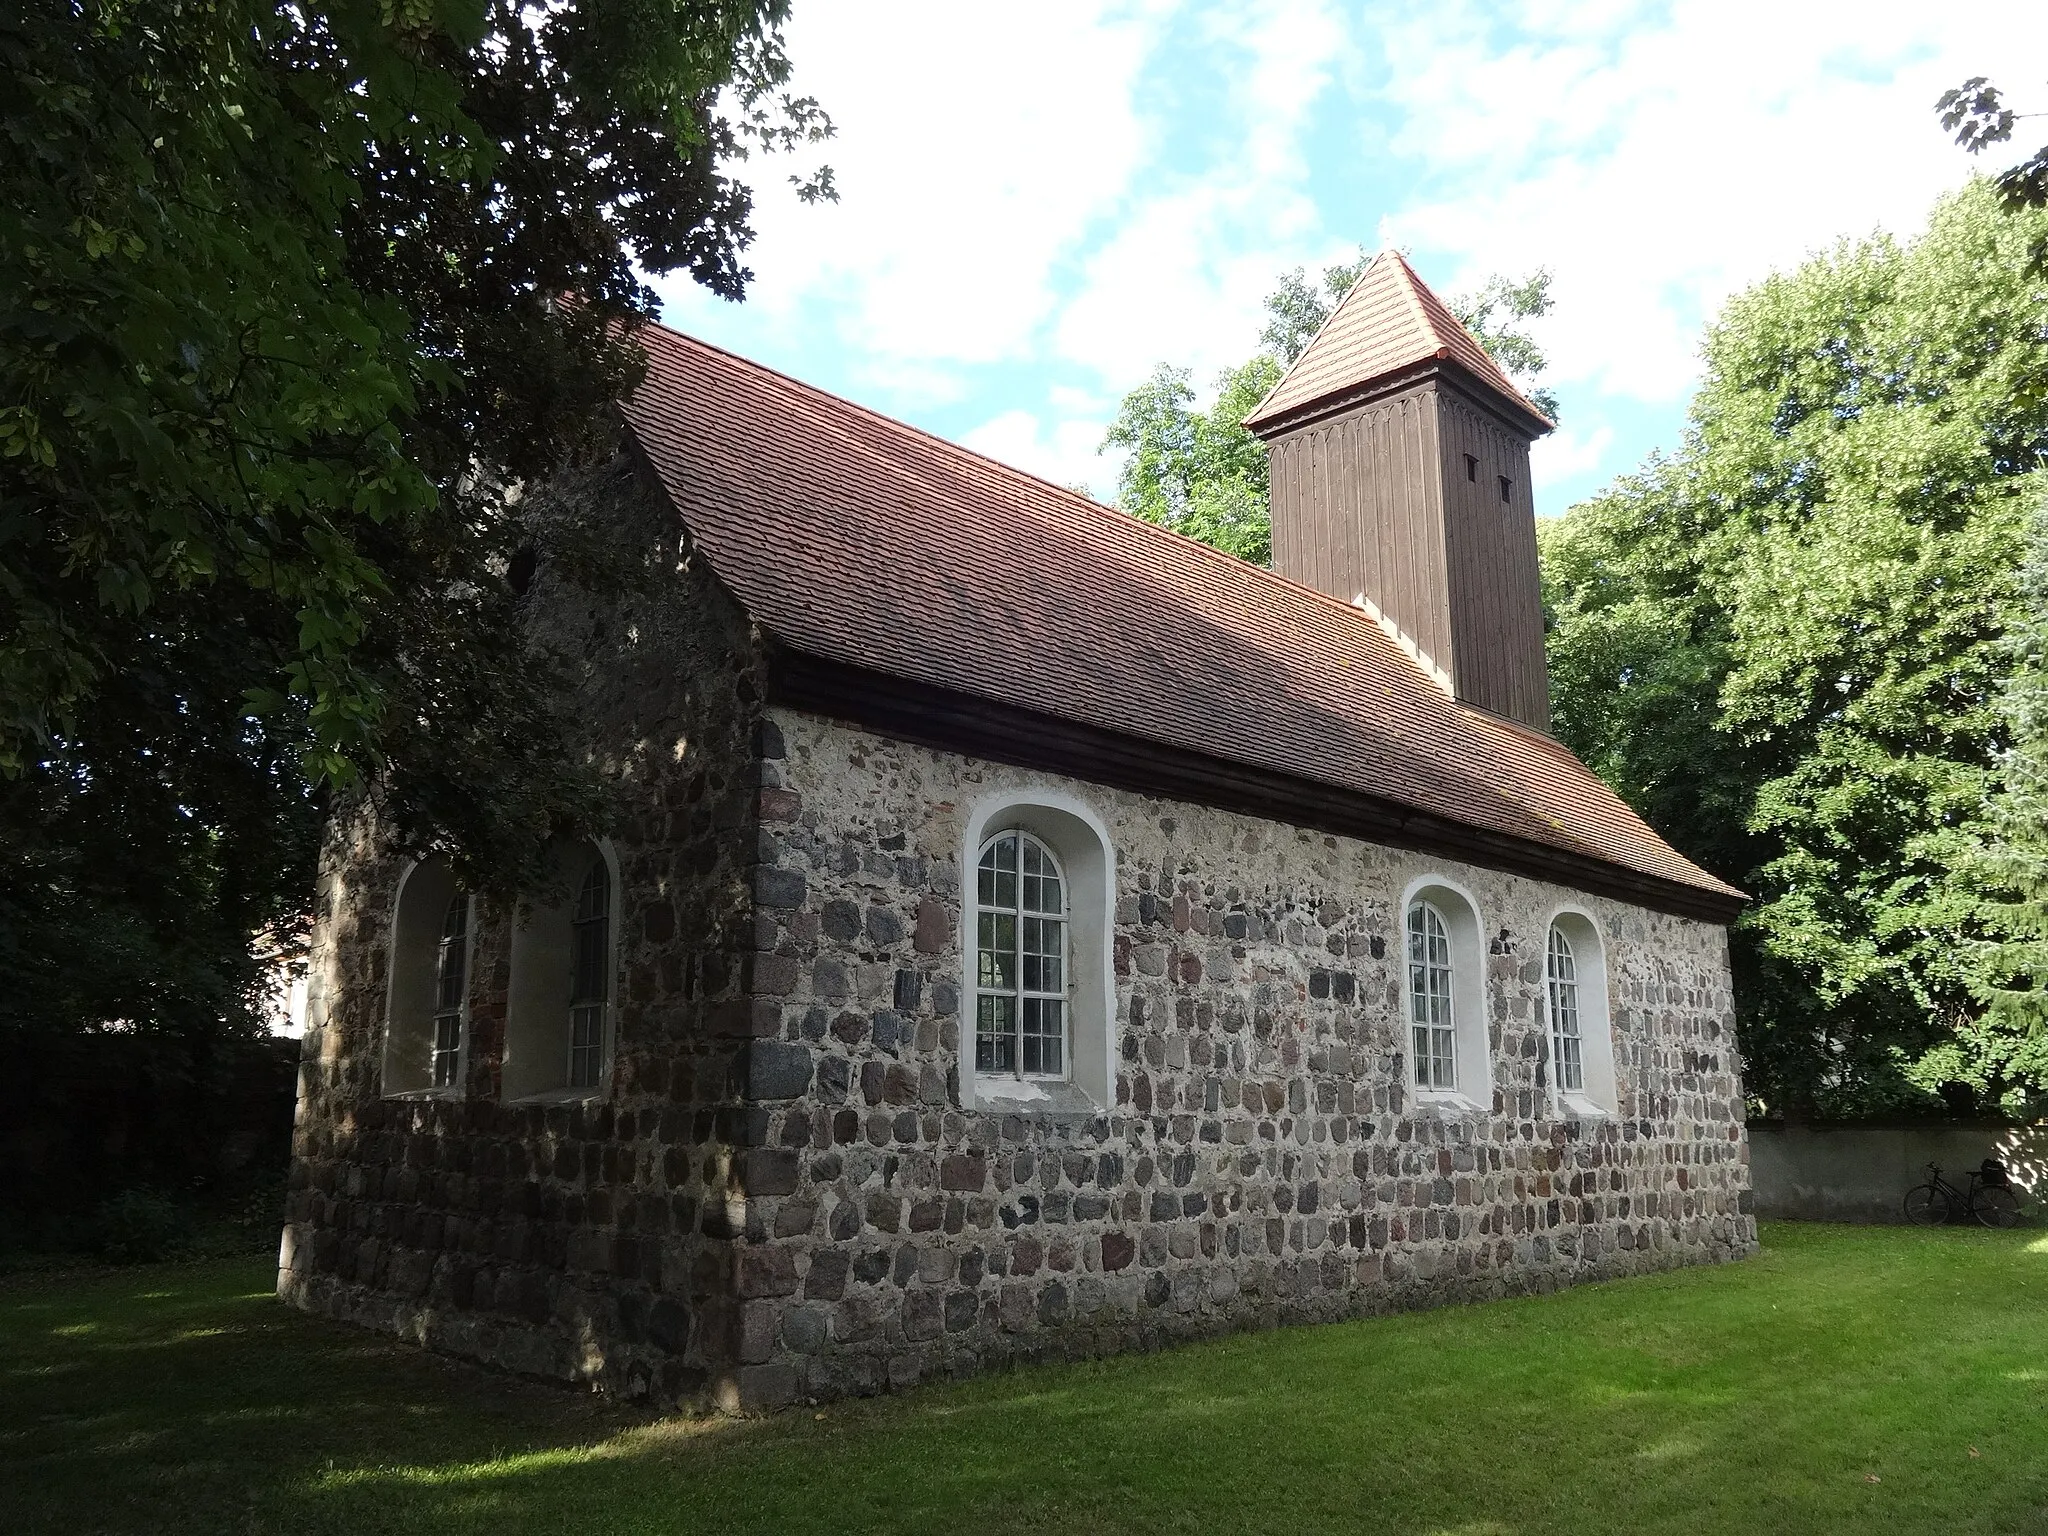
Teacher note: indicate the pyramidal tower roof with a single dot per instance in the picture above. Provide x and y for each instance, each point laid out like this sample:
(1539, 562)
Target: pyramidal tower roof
(1388, 322)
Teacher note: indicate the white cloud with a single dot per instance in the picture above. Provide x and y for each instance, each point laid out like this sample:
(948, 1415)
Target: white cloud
(976, 145)
(1064, 453)
(1568, 452)
(1039, 204)
(1658, 168)
(1182, 277)
(1019, 184)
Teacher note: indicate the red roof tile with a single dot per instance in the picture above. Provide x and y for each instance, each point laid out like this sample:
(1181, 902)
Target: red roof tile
(862, 541)
(1390, 320)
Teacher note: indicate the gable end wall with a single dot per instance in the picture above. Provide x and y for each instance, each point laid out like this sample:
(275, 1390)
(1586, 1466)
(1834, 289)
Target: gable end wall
(587, 1241)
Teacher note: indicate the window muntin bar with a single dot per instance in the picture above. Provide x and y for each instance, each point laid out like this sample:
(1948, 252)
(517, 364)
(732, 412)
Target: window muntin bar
(1566, 1046)
(1021, 1016)
(451, 978)
(1429, 999)
(590, 940)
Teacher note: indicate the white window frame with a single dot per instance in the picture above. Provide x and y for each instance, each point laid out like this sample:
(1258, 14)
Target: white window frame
(458, 1054)
(1432, 1032)
(1598, 1093)
(1561, 993)
(539, 1003)
(1022, 994)
(1473, 1049)
(412, 977)
(590, 1015)
(1086, 856)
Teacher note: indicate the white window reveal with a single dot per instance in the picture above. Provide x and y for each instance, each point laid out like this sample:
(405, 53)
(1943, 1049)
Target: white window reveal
(1445, 982)
(1021, 1016)
(1430, 1003)
(1567, 1050)
(1582, 1078)
(1037, 986)
(590, 939)
(426, 1009)
(559, 1006)
(451, 985)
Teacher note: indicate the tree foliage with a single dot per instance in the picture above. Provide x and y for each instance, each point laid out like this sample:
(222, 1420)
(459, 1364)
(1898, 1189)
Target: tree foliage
(1976, 113)
(1197, 470)
(2008, 1040)
(286, 325)
(1785, 645)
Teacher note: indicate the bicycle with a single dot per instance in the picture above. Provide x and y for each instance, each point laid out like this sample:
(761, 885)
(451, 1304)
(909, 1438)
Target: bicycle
(1989, 1198)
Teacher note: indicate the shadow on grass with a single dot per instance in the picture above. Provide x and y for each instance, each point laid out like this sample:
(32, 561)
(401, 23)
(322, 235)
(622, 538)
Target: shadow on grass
(1757, 1396)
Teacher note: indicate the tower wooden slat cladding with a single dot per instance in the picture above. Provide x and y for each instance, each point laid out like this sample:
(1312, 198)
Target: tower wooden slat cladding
(1400, 482)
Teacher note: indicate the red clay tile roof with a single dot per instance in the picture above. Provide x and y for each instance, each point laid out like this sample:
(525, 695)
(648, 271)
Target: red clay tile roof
(862, 541)
(1390, 320)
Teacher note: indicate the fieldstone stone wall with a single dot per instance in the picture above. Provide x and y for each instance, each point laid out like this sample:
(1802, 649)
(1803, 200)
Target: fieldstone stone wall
(576, 1240)
(1262, 1162)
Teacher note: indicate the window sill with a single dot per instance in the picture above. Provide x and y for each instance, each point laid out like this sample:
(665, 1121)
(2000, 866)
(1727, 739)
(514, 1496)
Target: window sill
(1572, 1106)
(1445, 1105)
(561, 1096)
(1030, 1096)
(425, 1096)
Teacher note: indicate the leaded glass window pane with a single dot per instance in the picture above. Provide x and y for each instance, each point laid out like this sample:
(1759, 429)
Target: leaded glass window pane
(1567, 1048)
(1429, 998)
(590, 941)
(1020, 1024)
(451, 977)
(1044, 1036)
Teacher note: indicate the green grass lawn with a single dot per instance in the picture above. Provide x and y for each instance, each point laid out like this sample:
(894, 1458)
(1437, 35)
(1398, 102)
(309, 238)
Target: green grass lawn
(1849, 1379)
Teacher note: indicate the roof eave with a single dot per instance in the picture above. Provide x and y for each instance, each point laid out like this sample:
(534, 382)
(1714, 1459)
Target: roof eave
(1511, 408)
(956, 721)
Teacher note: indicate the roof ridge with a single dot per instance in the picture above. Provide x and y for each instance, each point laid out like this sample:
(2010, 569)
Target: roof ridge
(1328, 320)
(1353, 615)
(1411, 291)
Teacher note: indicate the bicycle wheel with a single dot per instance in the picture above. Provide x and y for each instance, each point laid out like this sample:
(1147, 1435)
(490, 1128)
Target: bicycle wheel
(1927, 1205)
(1996, 1206)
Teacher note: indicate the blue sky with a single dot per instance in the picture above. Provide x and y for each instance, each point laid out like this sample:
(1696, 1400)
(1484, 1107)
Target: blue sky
(1040, 203)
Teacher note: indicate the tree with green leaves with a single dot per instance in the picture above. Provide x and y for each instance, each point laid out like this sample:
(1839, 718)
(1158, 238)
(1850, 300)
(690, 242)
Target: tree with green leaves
(1976, 114)
(2007, 1042)
(297, 299)
(1199, 472)
(1785, 644)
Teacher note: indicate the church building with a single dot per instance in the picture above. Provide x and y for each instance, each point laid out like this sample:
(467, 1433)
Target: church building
(1027, 932)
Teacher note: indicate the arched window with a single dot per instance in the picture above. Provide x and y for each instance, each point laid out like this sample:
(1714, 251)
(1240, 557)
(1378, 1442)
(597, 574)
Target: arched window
(1020, 1024)
(1451, 1059)
(1566, 1048)
(1582, 1078)
(559, 1011)
(589, 991)
(1038, 986)
(451, 992)
(1430, 1014)
(426, 1012)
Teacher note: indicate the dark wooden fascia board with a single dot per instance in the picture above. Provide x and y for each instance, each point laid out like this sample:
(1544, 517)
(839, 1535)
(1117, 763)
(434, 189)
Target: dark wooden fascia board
(1507, 412)
(1488, 401)
(959, 722)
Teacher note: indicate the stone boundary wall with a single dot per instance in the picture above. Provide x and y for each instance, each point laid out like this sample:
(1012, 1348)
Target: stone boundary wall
(1261, 1163)
(1861, 1173)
